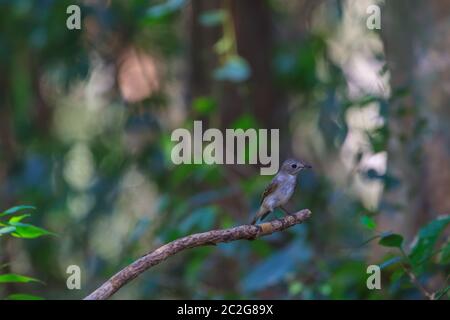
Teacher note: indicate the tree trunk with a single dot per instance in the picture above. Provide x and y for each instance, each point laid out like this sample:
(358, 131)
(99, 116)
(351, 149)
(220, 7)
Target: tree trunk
(417, 41)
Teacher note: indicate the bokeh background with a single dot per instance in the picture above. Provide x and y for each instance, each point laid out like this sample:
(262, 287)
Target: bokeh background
(85, 123)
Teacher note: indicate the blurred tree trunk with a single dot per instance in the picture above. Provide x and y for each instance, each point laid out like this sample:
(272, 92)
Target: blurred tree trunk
(201, 55)
(259, 96)
(254, 37)
(416, 36)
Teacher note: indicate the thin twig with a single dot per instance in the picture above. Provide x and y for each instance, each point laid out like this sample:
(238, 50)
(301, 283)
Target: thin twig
(212, 237)
(416, 282)
(413, 277)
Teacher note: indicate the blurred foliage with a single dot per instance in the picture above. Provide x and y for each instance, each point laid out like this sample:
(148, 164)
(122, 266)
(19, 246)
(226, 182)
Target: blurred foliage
(98, 165)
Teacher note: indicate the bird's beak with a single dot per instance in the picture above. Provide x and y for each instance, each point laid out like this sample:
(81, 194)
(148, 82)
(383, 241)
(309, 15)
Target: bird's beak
(307, 166)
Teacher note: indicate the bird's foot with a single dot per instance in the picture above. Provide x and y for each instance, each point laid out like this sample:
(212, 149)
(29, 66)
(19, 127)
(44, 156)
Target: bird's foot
(285, 211)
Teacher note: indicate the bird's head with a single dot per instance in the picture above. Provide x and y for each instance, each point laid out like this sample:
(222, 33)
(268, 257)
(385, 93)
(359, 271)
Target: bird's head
(294, 166)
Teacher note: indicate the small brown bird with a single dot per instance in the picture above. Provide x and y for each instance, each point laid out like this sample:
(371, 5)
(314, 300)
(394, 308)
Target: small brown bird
(280, 189)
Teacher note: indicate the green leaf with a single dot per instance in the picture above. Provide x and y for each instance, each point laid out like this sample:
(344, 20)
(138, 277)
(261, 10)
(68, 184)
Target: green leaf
(23, 296)
(196, 264)
(200, 219)
(235, 69)
(445, 254)
(16, 209)
(8, 229)
(368, 222)
(13, 278)
(391, 240)
(378, 139)
(275, 268)
(28, 231)
(246, 121)
(224, 45)
(427, 238)
(213, 17)
(325, 289)
(164, 9)
(261, 248)
(295, 288)
(18, 218)
(204, 105)
(442, 292)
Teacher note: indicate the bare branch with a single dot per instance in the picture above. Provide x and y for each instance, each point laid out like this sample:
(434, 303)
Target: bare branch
(153, 258)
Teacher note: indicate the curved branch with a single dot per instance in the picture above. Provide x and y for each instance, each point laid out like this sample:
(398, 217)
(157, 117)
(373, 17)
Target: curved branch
(212, 237)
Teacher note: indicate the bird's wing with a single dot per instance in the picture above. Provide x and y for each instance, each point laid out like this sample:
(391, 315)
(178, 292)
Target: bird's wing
(270, 189)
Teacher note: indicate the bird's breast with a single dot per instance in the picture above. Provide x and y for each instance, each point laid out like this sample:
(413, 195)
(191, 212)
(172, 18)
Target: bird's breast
(284, 191)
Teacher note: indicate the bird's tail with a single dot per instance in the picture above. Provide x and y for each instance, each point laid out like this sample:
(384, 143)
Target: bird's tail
(260, 214)
(255, 218)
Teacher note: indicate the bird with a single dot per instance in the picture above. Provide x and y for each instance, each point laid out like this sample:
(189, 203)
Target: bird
(280, 189)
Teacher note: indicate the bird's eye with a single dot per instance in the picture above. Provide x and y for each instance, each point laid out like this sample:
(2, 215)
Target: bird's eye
(294, 166)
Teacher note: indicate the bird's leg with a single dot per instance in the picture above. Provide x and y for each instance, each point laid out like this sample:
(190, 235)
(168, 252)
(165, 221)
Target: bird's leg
(285, 211)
